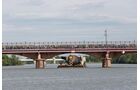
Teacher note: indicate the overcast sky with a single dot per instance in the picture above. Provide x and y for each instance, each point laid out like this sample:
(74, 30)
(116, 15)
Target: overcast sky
(68, 20)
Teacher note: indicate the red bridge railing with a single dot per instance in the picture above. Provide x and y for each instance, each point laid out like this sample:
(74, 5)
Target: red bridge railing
(84, 44)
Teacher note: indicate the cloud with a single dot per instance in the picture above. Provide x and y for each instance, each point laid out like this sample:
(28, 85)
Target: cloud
(66, 18)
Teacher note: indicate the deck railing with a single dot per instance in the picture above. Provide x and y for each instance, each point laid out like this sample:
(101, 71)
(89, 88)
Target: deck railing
(83, 44)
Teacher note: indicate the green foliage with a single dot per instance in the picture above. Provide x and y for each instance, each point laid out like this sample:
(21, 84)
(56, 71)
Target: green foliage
(126, 58)
(9, 61)
(90, 59)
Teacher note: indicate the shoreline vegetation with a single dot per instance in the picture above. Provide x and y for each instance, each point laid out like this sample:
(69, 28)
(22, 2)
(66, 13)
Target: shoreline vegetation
(10, 60)
(130, 58)
(123, 59)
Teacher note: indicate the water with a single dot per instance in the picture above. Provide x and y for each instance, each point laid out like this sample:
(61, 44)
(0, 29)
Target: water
(119, 77)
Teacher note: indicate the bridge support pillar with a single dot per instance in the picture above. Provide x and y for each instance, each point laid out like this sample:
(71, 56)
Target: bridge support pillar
(106, 62)
(40, 62)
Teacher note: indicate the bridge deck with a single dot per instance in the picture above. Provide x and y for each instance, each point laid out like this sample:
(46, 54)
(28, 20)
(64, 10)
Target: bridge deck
(32, 47)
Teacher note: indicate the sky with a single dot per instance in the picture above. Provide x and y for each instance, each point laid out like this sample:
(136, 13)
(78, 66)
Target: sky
(68, 20)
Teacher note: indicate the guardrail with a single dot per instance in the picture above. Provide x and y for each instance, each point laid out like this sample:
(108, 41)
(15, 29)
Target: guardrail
(83, 44)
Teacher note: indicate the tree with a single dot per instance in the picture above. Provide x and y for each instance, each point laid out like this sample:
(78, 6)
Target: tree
(126, 58)
(92, 59)
(130, 58)
(13, 60)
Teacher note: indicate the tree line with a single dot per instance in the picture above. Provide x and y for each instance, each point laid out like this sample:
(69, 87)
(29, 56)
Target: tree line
(123, 59)
(10, 60)
(130, 58)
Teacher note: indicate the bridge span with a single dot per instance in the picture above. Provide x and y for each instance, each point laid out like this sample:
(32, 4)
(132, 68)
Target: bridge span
(39, 51)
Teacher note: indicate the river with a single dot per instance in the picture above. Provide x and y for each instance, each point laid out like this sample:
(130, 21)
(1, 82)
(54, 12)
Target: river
(26, 77)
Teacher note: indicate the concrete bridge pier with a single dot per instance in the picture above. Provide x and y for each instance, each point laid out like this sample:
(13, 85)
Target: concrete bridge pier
(106, 62)
(40, 62)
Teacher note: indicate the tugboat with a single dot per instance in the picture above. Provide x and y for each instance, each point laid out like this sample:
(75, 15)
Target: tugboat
(73, 61)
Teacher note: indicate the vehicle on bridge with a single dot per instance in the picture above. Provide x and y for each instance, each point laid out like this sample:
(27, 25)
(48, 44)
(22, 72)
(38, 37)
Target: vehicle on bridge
(73, 61)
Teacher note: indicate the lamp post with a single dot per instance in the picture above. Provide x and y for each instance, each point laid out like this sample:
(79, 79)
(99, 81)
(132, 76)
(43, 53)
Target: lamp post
(106, 38)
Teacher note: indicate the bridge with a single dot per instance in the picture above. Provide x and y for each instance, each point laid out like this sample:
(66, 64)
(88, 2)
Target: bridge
(40, 51)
